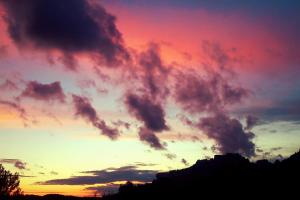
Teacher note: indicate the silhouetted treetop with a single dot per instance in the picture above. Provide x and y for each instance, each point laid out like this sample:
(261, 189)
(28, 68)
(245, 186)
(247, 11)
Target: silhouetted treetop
(9, 183)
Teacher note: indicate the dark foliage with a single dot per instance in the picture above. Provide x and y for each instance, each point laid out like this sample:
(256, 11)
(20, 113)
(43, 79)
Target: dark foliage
(9, 183)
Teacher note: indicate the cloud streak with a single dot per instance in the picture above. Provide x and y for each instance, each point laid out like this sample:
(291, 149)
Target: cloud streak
(150, 138)
(84, 109)
(22, 112)
(126, 173)
(16, 162)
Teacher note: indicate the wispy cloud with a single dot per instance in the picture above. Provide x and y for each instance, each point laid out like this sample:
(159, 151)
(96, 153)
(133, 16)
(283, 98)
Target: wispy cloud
(16, 162)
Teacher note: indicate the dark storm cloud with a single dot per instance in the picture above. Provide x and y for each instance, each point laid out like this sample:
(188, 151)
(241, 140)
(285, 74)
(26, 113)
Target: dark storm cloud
(150, 113)
(127, 173)
(84, 109)
(16, 162)
(70, 26)
(45, 92)
(229, 134)
(251, 121)
(150, 138)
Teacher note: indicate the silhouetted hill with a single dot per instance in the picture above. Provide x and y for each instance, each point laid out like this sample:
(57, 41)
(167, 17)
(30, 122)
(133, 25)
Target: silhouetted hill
(229, 176)
(225, 176)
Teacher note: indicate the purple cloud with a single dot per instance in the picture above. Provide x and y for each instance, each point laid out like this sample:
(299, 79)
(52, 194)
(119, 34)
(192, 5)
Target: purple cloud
(147, 111)
(251, 121)
(206, 93)
(229, 134)
(45, 92)
(77, 27)
(84, 109)
(151, 139)
(154, 72)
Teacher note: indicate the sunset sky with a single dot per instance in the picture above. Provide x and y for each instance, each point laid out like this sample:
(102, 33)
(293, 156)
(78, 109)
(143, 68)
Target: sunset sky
(94, 93)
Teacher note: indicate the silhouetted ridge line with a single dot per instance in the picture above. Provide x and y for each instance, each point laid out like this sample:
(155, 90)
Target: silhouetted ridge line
(229, 176)
(225, 176)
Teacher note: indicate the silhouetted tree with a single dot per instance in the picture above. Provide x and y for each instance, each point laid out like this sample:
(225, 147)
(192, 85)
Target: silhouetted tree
(9, 183)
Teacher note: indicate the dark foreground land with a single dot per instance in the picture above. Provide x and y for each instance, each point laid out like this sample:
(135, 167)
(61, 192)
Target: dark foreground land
(228, 176)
